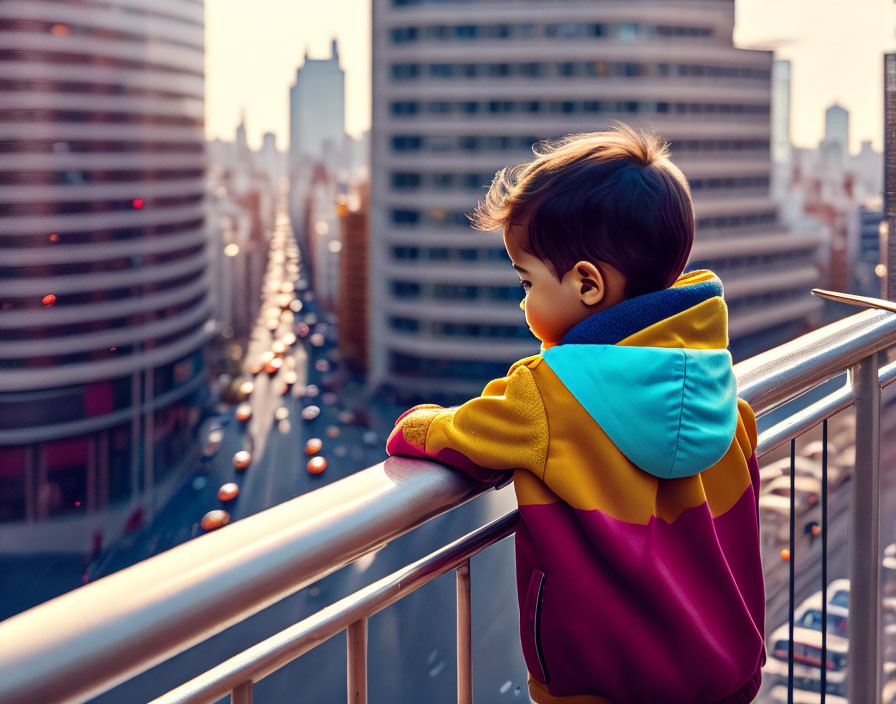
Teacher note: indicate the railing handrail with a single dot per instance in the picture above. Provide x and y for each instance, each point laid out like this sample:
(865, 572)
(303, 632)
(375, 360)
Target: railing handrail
(83, 643)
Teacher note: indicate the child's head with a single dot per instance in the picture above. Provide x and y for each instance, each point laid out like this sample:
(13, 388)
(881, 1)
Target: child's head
(593, 220)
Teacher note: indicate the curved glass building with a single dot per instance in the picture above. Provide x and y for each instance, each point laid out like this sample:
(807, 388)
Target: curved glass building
(104, 289)
(462, 88)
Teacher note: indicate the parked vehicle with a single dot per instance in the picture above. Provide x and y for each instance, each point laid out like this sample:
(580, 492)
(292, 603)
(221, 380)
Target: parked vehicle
(807, 659)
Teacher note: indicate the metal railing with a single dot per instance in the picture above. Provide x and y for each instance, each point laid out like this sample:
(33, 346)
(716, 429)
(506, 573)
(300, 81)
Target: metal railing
(86, 642)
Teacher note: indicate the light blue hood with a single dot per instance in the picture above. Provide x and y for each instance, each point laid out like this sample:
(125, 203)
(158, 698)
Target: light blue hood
(671, 410)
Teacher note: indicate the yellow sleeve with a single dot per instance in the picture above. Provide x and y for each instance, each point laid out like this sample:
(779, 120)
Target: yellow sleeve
(504, 429)
(749, 418)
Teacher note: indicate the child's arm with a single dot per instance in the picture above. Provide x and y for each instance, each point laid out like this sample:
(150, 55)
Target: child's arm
(503, 429)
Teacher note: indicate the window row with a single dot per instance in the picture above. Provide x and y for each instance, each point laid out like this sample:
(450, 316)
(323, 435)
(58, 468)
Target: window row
(65, 58)
(550, 30)
(45, 86)
(551, 69)
(408, 181)
(84, 327)
(445, 254)
(83, 176)
(437, 217)
(140, 12)
(59, 29)
(410, 3)
(410, 290)
(62, 237)
(97, 117)
(409, 108)
(471, 143)
(453, 329)
(98, 146)
(97, 206)
(408, 365)
(135, 261)
(87, 297)
(39, 239)
(100, 354)
(768, 261)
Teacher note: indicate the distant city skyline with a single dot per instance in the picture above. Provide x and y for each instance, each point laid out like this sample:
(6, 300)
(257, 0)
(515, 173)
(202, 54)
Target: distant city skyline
(252, 52)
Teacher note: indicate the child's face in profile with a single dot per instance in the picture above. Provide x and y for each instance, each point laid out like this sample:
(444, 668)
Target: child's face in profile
(554, 307)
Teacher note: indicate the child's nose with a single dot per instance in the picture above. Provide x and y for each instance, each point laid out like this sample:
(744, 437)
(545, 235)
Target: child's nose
(523, 304)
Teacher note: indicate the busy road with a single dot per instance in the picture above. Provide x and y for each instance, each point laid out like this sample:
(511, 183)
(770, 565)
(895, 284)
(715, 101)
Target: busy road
(412, 643)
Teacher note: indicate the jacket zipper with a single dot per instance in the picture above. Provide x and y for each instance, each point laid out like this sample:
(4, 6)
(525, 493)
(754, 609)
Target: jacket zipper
(537, 634)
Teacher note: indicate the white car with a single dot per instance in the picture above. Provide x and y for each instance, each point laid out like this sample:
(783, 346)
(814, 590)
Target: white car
(803, 696)
(807, 660)
(807, 640)
(838, 594)
(808, 491)
(807, 466)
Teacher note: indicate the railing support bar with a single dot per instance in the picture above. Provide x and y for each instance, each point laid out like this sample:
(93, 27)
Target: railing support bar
(863, 683)
(464, 636)
(356, 635)
(242, 694)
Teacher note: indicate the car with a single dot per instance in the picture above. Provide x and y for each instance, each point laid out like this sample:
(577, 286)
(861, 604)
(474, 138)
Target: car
(809, 616)
(228, 492)
(214, 519)
(838, 594)
(805, 466)
(242, 459)
(807, 659)
(808, 490)
(213, 441)
(780, 695)
(316, 464)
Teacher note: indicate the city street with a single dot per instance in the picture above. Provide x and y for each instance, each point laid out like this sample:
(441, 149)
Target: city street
(412, 643)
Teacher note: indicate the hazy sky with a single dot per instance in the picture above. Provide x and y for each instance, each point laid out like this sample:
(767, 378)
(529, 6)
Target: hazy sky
(253, 49)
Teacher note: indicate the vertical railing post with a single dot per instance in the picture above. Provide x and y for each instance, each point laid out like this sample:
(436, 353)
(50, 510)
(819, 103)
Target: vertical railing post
(464, 637)
(242, 694)
(864, 553)
(356, 635)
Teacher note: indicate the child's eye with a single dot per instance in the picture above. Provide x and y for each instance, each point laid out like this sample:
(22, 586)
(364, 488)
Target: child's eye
(526, 285)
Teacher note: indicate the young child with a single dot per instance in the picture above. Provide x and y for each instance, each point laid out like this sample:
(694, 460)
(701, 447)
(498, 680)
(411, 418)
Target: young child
(638, 560)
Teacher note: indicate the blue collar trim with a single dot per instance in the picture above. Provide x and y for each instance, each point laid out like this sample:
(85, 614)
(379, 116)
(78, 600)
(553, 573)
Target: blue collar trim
(627, 317)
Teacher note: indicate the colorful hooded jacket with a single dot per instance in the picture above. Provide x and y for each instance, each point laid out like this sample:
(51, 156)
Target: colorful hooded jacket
(638, 561)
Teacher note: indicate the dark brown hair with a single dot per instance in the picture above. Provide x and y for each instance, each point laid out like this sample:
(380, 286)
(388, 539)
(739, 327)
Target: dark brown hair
(610, 196)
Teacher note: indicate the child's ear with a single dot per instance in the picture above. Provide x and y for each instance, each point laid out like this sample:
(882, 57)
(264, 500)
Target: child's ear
(589, 282)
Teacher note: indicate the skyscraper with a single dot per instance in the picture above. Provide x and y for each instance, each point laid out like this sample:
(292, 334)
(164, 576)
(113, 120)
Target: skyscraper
(317, 109)
(781, 92)
(835, 146)
(461, 89)
(104, 293)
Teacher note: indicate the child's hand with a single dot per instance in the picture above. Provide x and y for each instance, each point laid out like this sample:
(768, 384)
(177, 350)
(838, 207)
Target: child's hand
(415, 408)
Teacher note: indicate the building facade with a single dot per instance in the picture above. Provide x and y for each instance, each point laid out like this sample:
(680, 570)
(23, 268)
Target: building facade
(317, 109)
(103, 263)
(354, 269)
(461, 90)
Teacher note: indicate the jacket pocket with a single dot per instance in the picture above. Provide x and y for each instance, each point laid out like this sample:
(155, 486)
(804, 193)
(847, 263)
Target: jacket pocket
(532, 625)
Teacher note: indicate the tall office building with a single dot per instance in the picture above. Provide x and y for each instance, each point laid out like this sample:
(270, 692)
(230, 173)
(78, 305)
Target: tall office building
(781, 127)
(888, 227)
(781, 99)
(104, 293)
(835, 145)
(317, 109)
(461, 89)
